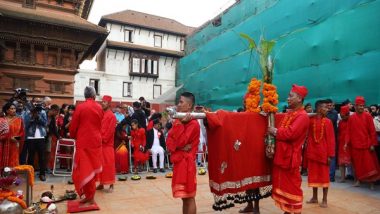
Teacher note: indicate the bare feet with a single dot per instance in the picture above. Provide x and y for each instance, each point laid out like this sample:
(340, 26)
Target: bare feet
(86, 201)
(357, 184)
(312, 201)
(100, 187)
(110, 189)
(323, 204)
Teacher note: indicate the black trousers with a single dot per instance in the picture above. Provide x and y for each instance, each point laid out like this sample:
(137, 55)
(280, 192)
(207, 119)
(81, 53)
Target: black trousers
(39, 146)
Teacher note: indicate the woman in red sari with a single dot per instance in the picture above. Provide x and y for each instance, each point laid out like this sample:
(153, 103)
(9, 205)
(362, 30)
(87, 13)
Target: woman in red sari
(4, 131)
(138, 143)
(121, 151)
(12, 145)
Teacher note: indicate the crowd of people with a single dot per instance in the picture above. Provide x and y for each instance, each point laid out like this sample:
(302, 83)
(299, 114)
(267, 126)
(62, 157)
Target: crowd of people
(342, 137)
(33, 126)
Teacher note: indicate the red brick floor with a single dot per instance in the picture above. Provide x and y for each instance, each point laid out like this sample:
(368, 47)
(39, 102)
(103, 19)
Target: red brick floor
(154, 196)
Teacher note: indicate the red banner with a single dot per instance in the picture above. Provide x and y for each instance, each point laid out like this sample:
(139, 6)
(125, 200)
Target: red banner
(237, 161)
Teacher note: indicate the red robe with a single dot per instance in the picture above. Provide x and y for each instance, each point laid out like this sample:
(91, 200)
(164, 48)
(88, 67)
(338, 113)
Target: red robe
(139, 139)
(4, 133)
(85, 128)
(150, 125)
(107, 176)
(290, 137)
(121, 152)
(10, 150)
(320, 146)
(344, 157)
(184, 182)
(361, 135)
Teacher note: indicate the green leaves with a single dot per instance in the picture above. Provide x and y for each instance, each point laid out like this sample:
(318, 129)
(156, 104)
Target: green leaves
(264, 51)
(266, 46)
(252, 44)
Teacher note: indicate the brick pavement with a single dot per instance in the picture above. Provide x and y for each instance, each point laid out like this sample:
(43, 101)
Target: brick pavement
(154, 196)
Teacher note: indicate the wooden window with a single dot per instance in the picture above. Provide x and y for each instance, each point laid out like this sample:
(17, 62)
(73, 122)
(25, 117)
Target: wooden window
(136, 65)
(95, 83)
(128, 35)
(144, 65)
(155, 67)
(157, 41)
(127, 89)
(23, 83)
(182, 44)
(156, 91)
(25, 54)
(57, 87)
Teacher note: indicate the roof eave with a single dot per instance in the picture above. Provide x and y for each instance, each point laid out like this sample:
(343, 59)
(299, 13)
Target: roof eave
(103, 21)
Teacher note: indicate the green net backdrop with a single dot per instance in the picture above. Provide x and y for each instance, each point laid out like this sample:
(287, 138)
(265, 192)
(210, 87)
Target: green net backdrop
(330, 46)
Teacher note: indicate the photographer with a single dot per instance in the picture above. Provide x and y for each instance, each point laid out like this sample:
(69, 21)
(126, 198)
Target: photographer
(52, 134)
(35, 123)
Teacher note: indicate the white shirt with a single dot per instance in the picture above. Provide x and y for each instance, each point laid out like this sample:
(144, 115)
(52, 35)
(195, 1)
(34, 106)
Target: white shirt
(156, 141)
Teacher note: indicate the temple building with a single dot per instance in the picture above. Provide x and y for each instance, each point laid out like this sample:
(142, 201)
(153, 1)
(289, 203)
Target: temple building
(42, 43)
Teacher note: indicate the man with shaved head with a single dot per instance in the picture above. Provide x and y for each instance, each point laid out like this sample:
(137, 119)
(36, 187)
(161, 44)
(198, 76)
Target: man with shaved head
(182, 142)
(85, 127)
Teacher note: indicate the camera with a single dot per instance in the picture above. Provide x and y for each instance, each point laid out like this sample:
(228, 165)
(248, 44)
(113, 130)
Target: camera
(20, 93)
(37, 107)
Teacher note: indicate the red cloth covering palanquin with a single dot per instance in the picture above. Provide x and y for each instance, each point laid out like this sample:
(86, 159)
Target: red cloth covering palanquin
(237, 161)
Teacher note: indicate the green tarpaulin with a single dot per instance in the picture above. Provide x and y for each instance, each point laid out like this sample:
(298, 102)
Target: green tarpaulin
(330, 46)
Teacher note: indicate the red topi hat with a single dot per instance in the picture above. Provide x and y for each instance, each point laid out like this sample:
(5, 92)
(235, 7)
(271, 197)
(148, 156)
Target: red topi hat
(344, 110)
(300, 90)
(107, 98)
(359, 100)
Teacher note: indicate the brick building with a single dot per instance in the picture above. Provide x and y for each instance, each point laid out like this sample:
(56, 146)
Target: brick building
(42, 42)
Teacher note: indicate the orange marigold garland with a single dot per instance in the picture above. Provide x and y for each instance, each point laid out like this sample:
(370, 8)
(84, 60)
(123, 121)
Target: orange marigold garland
(17, 200)
(5, 194)
(30, 170)
(252, 99)
(270, 98)
(317, 140)
(11, 196)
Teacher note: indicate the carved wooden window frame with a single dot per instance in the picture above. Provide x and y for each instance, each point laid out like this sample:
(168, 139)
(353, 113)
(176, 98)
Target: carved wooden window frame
(157, 85)
(127, 89)
(130, 35)
(96, 85)
(157, 44)
(146, 69)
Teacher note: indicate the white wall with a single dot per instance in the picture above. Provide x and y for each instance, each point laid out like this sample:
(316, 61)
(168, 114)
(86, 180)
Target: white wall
(111, 81)
(117, 61)
(117, 67)
(145, 37)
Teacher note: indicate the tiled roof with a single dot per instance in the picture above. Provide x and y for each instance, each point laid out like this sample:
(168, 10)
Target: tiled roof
(16, 11)
(146, 20)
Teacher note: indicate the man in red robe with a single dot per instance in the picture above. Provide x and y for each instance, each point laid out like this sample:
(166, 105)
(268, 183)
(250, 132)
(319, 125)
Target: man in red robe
(344, 153)
(290, 136)
(107, 176)
(362, 139)
(182, 142)
(320, 152)
(85, 127)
